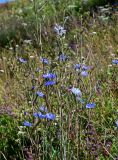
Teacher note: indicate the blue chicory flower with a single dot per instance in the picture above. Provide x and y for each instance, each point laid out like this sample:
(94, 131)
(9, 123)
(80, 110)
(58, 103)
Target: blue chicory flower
(59, 30)
(43, 109)
(76, 91)
(77, 66)
(85, 67)
(28, 124)
(22, 60)
(35, 114)
(40, 94)
(50, 116)
(62, 57)
(50, 83)
(115, 61)
(84, 73)
(44, 60)
(49, 75)
(90, 105)
(39, 115)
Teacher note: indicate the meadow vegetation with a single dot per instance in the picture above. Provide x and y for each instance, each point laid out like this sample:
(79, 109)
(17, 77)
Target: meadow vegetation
(58, 81)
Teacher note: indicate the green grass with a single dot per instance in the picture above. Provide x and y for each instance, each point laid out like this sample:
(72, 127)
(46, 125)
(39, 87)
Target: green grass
(77, 133)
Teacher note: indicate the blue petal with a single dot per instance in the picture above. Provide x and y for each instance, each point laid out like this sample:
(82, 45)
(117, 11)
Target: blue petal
(84, 73)
(49, 75)
(44, 60)
(115, 61)
(77, 66)
(50, 83)
(26, 123)
(50, 116)
(90, 105)
(40, 115)
(85, 67)
(22, 60)
(40, 94)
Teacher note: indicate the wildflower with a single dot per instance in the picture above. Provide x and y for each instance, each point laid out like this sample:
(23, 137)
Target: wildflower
(49, 75)
(90, 105)
(76, 91)
(39, 115)
(35, 114)
(50, 83)
(62, 57)
(43, 109)
(22, 60)
(77, 66)
(115, 61)
(44, 60)
(84, 73)
(50, 116)
(85, 67)
(40, 94)
(59, 30)
(28, 124)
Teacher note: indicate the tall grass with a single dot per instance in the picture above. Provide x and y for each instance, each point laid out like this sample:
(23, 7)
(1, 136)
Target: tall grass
(79, 120)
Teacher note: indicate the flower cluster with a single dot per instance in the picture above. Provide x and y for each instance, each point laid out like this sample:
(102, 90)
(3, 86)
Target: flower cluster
(47, 77)
(83, 69)
(42, 114)
(49, 116)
